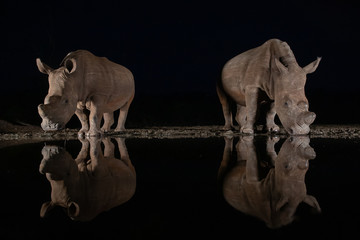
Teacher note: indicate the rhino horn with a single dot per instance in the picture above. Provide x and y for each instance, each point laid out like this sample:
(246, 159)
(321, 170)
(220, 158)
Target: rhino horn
(311, 67)
(306, 118)
(43, 68)
(309, 153)
(279, 66)
(309, 118)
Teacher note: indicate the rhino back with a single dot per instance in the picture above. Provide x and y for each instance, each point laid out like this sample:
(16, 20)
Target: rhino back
(249, 197)
(104, 191)
(98, 75)
(250, 69)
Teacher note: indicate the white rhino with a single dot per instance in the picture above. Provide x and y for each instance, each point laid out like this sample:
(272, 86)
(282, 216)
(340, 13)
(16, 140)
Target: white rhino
(268, 73)
(86, 82)
(86, 186)
(275, 198)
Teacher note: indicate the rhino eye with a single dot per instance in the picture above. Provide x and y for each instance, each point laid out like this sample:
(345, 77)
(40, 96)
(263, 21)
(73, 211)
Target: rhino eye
(65, 101)
(287, 102)
(287, 166)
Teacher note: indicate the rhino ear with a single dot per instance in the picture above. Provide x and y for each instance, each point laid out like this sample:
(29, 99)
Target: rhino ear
(43, 67)
(311, 201)
(73, 209)
(70, 65)
(310, 68)
(279, 66)
(45, 208)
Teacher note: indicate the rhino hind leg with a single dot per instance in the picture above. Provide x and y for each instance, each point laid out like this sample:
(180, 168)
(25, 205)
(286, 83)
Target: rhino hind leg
(270, 120)
(226, 107)
(241, 115)
(122, 116)
(108, 121)
(109, 148)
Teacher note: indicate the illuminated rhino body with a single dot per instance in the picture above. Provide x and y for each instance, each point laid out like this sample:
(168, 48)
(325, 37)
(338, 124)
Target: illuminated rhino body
(268, 73)
(91, 87)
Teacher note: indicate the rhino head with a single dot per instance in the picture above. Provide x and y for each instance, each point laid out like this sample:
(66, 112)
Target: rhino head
(291, 104)
(62, 172)
(57, 163)
(60, 102)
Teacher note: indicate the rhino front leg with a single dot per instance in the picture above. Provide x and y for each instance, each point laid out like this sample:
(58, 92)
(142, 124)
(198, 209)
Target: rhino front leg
(247, 155)
(108, 122)
(83, 154)
(270, 120)
(94, 120)
(251, 98)
(84, 119)
(270, 148)
(97, 167)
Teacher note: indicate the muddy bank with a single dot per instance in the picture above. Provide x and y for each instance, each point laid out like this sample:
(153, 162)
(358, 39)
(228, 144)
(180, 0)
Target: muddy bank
(14, 134)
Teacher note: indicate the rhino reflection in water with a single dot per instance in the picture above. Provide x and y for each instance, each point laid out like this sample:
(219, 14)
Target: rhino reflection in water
(87, 187)
(275, 198)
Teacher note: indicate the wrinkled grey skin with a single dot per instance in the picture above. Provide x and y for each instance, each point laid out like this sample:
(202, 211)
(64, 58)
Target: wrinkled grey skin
(86, 186)
(90, 87)
(275, 198)
(268, 73)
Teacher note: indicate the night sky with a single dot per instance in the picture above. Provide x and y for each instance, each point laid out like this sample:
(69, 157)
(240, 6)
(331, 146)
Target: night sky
(176, 50)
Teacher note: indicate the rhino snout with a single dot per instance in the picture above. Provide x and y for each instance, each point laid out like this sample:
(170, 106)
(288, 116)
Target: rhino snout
(48, 125)
(49, 150)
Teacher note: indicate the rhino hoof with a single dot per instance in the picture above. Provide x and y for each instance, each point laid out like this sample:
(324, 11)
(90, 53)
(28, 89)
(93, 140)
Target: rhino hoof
(274, 129)
(273, 139)
(94, 134)
(81, 134)
(247, 131)
(228, 127)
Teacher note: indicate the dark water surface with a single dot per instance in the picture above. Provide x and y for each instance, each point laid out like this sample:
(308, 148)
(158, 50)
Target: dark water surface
(183, 188)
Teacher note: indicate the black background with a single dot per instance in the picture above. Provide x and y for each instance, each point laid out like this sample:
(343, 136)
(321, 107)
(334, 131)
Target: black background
(176, 51)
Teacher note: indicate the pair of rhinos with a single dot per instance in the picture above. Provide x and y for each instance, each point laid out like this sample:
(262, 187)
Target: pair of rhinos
(93, 87)
(86, 187)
